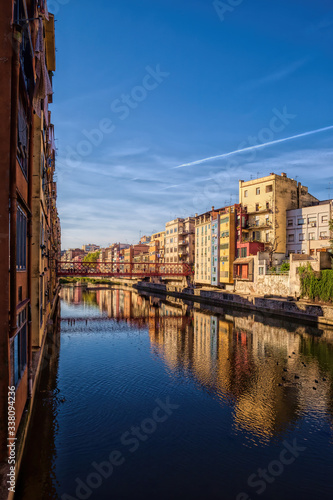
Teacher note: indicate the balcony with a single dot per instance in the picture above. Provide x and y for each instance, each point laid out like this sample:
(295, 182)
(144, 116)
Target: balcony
(183, 243)
(260, 226)
(261, 211)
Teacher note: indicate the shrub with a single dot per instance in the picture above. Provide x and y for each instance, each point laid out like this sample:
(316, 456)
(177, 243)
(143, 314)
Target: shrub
(285, 266)
(316, 285)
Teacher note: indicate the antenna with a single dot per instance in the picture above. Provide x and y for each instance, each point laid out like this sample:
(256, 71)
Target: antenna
(258, 174)
(329, 190)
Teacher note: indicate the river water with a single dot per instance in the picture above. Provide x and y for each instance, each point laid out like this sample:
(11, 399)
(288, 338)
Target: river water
(150, 398)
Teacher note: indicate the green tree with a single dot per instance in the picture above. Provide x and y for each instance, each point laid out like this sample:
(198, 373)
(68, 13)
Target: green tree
(91, 257)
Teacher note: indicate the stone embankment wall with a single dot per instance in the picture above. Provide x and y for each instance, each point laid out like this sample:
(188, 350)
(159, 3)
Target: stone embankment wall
(266, 285)
(320, 314)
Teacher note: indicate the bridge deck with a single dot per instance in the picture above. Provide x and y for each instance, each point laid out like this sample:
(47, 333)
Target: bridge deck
(122, 269)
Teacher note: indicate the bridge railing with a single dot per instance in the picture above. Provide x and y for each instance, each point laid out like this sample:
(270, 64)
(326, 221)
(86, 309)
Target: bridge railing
(132, 269)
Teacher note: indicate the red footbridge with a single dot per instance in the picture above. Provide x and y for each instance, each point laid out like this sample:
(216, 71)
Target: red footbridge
(123, 269)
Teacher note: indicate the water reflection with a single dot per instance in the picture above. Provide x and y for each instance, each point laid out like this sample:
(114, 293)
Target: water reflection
(245, 382)
(272, 371)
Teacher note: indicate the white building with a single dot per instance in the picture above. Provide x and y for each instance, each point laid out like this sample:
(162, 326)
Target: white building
(308, 228)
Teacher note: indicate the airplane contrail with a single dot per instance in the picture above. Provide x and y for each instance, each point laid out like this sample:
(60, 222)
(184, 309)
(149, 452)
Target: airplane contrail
(250, 148)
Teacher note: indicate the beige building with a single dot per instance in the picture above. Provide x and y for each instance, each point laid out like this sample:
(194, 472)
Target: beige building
(308, 230)
(45, 226)
(179, 240)
(202, 272)
(266, 201)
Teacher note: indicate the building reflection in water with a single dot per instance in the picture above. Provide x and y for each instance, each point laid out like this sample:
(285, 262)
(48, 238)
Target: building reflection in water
(39, 461)
(264, 368)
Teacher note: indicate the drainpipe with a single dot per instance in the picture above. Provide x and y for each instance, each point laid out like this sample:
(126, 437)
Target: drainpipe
(29, 257)
(17, 38)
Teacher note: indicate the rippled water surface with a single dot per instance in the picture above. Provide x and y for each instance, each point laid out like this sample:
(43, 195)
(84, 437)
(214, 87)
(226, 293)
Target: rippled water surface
(144, 398)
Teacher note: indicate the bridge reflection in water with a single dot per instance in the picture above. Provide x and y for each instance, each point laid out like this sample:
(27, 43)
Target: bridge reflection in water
(244, 383)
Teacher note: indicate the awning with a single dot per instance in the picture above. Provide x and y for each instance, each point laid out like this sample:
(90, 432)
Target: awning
(243, 260)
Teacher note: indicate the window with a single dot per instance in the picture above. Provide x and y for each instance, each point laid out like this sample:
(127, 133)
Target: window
(291, 238)
(21, 240)
(224, 246)
(269, 188)
(257, 207)
(225, 220)
(301, 221)
(175, 230)
(18, 349)
(244, 252)
(245, 209)
(267, 205)
(290, 222)
(323, 235)
(261, 270)
(267, 237)
(246, 193)
(311, 236)
(257, 191)
(301, 237)
(167, 231)
(171, 231)
(312, 221)
(324, 218)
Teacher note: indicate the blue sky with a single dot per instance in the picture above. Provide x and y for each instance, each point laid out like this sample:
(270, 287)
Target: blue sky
(143, 86)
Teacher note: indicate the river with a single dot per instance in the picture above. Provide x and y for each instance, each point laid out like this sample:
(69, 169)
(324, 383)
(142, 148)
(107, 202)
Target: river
(152, 398)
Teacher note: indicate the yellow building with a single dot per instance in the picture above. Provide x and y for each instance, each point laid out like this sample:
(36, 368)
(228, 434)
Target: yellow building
(266, 201)
(227, 250)
(156, 247)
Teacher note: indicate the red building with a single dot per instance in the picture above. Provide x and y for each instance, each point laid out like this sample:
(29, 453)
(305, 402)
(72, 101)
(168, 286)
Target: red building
(247, 245)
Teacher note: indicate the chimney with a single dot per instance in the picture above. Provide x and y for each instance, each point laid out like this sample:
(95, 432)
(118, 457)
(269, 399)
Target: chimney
(283, 174)
(213, 208)
(196, 215)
